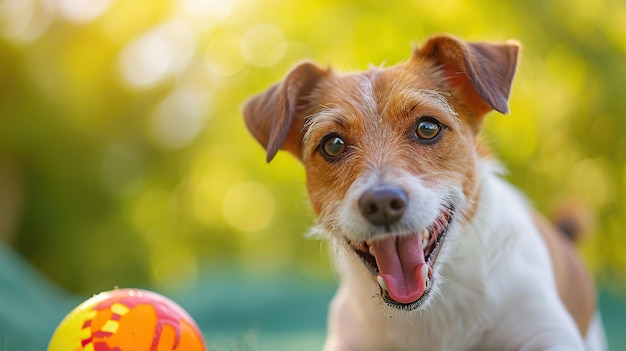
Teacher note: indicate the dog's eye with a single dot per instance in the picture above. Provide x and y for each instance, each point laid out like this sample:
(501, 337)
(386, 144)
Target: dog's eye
(332, 146)
(428, 129)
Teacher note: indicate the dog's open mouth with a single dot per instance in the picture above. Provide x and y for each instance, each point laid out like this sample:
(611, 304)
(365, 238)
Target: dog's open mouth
(403, 265)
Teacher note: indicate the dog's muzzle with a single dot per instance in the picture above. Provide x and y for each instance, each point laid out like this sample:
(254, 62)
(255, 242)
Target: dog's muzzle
(402, 264)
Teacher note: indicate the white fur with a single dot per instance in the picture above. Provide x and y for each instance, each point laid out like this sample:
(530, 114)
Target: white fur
(493, 289)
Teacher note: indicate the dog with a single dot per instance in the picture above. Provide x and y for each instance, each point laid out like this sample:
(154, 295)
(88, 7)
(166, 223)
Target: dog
(433, 249)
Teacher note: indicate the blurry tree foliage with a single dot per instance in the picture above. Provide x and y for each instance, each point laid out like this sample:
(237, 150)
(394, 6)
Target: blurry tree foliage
(124, 159)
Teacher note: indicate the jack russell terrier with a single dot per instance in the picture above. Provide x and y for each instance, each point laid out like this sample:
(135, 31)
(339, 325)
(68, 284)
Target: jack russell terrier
(433, 249)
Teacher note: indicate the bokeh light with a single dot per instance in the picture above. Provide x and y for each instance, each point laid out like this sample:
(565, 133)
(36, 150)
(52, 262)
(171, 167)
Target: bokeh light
(24, 20)
(223, 56)
(263, 45)
(158, 54)
(82, 11)
(207, 8)
(248, 206)
(179, 118)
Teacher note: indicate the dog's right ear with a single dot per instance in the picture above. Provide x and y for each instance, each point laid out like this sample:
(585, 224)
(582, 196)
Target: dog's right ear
(483, 72)
(272, 116)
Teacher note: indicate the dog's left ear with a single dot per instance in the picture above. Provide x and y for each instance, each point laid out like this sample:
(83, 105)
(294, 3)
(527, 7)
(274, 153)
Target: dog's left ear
(482, 71)
(272, 116)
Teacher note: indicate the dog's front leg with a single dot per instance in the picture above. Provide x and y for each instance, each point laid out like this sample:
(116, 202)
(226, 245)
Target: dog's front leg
(349, 327)
(341, 324)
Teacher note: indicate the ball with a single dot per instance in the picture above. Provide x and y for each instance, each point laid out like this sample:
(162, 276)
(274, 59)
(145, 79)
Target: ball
(127, 320)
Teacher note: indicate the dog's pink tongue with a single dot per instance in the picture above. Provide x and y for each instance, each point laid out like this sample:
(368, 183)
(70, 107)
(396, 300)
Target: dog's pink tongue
(401, 264)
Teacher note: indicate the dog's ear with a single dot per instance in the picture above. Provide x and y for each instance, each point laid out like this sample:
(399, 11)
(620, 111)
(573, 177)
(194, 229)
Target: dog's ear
(482, 71)
(272, 116)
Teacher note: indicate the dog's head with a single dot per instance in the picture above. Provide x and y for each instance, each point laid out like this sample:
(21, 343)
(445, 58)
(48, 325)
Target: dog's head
(391, 153)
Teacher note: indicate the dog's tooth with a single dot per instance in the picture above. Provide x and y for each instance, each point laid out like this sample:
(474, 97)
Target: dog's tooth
(425, 234)
(381, 282)
(426, 272)
(371, 250)
(429, 274)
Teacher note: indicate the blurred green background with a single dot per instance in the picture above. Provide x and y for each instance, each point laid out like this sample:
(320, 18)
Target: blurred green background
(124, 160)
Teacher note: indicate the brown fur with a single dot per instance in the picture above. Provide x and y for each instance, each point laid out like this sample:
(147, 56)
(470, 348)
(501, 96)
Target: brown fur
(573, 281)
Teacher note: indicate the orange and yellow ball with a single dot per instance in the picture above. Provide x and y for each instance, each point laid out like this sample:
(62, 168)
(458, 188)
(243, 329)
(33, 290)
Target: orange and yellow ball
(127, 320)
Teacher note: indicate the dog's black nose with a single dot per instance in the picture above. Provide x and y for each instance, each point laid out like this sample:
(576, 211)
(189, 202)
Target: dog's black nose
(383, 205)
